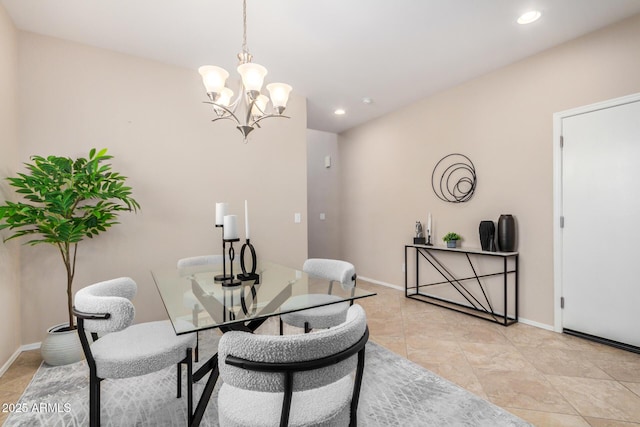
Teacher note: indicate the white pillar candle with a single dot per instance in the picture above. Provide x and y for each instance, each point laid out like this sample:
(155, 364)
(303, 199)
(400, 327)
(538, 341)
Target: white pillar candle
(221, 211)
(429, 225)
(230, 227)
(246, 220)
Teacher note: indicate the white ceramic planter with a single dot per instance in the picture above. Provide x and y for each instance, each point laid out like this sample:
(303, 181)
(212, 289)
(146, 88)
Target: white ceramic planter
(61, 347)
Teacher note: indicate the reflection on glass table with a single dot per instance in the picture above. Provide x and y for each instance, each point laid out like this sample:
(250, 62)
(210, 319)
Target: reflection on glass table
(218, 305)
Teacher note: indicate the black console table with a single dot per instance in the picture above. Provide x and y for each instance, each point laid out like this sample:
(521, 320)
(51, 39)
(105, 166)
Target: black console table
(471, 291)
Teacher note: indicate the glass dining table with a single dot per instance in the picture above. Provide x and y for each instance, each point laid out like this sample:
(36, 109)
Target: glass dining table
(196, 299)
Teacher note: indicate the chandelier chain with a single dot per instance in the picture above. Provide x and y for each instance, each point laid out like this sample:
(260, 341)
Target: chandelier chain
(244, 26)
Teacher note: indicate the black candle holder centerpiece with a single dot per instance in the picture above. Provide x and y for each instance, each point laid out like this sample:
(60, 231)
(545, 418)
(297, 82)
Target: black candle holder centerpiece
(222, 277)
(254, 263)
(230, 281)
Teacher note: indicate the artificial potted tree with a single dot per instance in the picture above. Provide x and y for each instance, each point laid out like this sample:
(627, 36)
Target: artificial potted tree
(65, 201)
(452, 239)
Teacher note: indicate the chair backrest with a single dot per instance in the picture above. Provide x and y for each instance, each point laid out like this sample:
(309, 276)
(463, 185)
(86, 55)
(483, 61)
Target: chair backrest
(200, 260)
(112, 297)
(333, 270)
(190, 265)
(286, 349)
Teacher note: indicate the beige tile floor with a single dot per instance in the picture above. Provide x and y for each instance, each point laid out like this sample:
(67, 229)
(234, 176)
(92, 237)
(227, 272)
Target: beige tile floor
(546, 378)
(16, 379)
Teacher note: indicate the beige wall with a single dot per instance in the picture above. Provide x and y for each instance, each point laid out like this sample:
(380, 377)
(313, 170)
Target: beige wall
(503, 122)
(9, 251)
(323, 187)
(151, 117)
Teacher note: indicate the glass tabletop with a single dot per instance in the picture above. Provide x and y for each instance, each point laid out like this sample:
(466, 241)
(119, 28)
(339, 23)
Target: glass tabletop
(195, 301)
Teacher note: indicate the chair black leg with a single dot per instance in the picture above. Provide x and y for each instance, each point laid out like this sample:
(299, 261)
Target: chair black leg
(189, 387)
(189, 362)
(197, 345)
(286, 402)
(307, 329)
(281, 327)
(94, 401)
(356, 388)
(179, 383)
(194, 320)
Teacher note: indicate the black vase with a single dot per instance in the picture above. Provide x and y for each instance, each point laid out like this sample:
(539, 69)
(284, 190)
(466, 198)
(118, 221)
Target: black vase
(506, 233)
(487, 236)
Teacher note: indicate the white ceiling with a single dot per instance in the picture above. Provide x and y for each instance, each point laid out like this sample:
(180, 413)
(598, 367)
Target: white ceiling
(333, 52)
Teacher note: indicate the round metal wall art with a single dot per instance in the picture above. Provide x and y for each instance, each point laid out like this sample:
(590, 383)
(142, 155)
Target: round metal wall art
(454, 178)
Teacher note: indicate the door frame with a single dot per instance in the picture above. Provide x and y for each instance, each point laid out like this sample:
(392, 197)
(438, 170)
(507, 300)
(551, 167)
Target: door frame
(557, 192)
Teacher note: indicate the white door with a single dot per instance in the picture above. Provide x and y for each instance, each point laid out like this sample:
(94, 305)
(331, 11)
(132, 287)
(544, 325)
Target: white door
(601, 232)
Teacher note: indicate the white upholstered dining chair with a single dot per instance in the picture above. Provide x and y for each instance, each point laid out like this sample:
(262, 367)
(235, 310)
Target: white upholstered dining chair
(325, 316)
(124, 350)
(293, 380)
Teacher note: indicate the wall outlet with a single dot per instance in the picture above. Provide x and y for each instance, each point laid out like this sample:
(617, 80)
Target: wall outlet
(323, 216)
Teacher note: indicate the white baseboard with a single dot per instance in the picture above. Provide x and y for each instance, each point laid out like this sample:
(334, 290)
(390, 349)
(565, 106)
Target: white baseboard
(12, 359)
(377, 282)
(401, 288)
(14, 356)
(537, 324)
(32, 346)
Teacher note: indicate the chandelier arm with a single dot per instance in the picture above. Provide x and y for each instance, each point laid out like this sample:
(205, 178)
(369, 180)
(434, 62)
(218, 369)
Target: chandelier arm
(250, 109)
(215, 119)
(234, 105)
(231, 115)
(231, 108)
(262, 113)
(255, 122)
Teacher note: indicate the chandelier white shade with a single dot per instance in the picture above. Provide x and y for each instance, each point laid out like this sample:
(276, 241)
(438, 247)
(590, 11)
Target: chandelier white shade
(279, 93)
(249, 96)
(214, 78)
(252, 76)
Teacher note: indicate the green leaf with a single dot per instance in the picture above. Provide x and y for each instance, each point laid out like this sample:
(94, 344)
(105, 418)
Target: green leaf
(65, 200)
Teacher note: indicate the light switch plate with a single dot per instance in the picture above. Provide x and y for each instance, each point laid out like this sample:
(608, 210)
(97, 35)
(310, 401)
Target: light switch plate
(297, 218)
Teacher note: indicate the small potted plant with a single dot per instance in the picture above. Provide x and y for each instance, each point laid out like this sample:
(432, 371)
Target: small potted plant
(452, 239)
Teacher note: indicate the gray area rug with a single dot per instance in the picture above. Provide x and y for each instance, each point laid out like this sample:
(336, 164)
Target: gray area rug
(395, 392)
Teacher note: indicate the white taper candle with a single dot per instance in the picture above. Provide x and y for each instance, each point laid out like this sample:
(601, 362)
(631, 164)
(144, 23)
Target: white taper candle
(246, 220)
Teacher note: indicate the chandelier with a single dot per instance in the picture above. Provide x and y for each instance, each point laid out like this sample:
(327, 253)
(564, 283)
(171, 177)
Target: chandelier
(250, 104)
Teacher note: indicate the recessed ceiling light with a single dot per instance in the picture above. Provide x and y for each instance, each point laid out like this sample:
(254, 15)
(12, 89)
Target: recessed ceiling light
(529, 17)
(339, 112)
